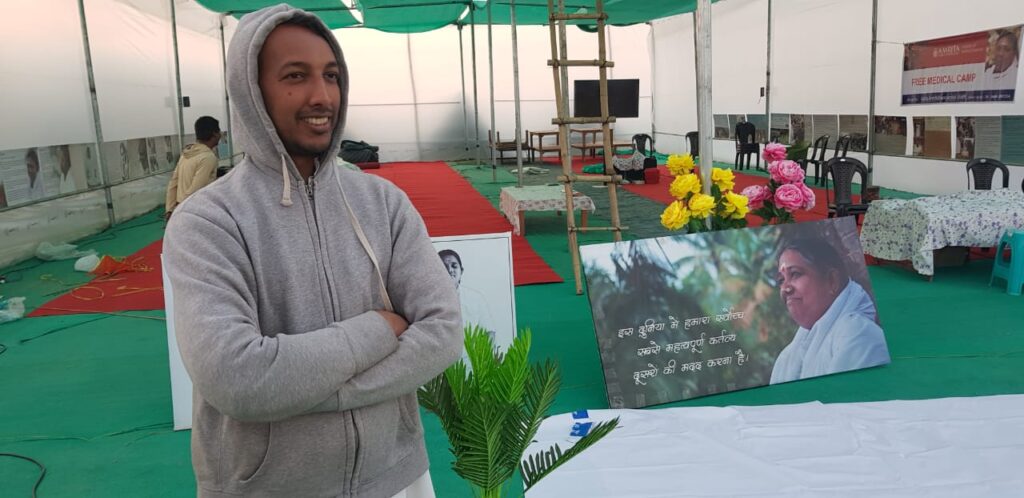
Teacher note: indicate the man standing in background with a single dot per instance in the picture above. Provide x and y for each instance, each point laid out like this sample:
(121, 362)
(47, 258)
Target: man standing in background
(197, 166)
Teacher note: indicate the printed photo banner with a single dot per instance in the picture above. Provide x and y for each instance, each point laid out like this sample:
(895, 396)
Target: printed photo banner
(692, 315)
(975, 67)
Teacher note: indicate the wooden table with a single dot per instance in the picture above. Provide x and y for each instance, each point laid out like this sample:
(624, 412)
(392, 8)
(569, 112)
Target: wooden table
(516, 201)
(540, 148)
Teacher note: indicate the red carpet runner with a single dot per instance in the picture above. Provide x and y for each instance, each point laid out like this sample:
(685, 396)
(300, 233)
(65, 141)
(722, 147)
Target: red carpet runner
(128, 291)
(450, 205)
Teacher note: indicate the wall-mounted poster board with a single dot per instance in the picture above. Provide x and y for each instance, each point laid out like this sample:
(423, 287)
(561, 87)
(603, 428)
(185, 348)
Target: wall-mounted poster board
(686, 316)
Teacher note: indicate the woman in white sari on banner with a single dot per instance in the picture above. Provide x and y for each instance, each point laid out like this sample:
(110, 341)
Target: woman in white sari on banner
(837, 317)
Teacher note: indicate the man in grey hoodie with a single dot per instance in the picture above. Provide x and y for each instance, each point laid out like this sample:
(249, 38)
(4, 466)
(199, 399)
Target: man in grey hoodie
(309, 303)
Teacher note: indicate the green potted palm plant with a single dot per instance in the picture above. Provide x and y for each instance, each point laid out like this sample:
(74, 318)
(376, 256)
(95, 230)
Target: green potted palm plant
(491, 410)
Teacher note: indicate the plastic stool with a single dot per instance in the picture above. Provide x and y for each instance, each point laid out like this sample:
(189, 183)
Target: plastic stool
(1013, 270)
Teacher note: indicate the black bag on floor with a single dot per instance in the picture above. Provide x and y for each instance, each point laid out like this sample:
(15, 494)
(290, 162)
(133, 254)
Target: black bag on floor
(358, 152)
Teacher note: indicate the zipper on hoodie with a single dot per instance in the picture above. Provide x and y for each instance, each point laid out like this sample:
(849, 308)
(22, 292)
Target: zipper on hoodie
(310, 190)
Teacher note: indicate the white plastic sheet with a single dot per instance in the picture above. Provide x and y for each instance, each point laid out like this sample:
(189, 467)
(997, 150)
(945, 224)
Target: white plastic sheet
(952, 447)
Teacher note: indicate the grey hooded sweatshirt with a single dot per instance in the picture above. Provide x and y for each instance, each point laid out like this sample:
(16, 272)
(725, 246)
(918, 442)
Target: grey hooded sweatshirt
(301, 387)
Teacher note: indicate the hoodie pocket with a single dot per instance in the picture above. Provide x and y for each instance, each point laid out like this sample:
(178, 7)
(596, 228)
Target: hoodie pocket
(245, 450)
(408, 410)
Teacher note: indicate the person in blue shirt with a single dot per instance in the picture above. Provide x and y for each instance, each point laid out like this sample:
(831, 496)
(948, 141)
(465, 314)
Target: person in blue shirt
(837, 318)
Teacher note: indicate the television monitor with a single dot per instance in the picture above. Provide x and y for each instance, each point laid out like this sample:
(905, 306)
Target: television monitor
(623, 98)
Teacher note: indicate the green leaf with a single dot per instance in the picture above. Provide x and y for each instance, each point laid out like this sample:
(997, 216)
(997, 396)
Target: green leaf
(541, 464)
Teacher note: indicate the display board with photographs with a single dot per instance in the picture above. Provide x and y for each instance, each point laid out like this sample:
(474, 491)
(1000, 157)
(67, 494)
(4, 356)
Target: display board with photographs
(140, 157)
(760, 122)
(825, 124)
(36, 173)
(890, 135)
(721, 126)
(780, 128)
(856, 127)
(800, 128)
(686, 316)
(735, 119)
(932, 137)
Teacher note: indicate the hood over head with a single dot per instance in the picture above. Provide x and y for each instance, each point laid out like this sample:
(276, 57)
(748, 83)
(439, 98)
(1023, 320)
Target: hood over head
(252, 129)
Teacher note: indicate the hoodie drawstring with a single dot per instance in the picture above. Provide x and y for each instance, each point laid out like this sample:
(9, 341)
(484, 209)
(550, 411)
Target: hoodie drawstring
(286, 194)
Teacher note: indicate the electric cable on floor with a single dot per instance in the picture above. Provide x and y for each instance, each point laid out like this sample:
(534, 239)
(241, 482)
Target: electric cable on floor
(42, 469)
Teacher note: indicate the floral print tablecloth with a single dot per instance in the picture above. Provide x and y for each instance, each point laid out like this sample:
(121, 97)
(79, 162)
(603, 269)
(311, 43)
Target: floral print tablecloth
(538, 198)
(913, 229)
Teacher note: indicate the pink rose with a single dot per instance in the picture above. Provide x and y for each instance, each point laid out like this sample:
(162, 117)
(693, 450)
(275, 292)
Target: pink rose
(773, 152)
(756, 195)
(809, 197)
(786, 172)
(789, 197)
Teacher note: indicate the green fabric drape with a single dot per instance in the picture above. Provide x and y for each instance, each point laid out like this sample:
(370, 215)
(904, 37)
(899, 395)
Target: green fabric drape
(416, 16)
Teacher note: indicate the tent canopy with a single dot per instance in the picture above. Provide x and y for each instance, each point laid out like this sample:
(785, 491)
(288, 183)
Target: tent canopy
(415, 16)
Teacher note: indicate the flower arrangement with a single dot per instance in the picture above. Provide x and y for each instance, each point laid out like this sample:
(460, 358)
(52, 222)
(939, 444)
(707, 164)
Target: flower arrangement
(692, 207)
(785, 192)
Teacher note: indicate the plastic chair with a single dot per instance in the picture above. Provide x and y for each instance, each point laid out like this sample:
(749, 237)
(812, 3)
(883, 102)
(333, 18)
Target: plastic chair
(1011, 270)
(817, 158)
(694, 139)
(840, 202)
(746, 145)
(842, 146)
(983, 169)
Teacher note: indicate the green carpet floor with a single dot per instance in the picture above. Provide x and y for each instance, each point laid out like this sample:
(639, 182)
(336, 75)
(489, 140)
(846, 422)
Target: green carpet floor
(89, 396)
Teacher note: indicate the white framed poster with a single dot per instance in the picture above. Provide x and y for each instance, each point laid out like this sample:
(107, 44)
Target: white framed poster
(481, 269)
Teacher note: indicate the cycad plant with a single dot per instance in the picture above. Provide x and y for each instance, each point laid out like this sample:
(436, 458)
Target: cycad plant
(492, 409)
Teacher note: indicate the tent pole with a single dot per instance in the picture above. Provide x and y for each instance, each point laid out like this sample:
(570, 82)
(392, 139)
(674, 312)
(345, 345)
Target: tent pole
(490, 67)
(702, 38)
(462, 71)
(651, 62)
(227, 100)
(177, 74)
(515, 86)
(768, 77)
(476, 98)
(98, 127)
(871, 99)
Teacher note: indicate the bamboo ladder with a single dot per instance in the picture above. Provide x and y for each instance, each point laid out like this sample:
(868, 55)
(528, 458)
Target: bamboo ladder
(559, 62)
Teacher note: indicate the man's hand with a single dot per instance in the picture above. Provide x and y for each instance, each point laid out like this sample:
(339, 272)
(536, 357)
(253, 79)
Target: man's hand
(397, 323)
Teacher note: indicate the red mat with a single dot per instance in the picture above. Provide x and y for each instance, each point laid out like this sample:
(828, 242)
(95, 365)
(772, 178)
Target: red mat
(450, 205)
(128, 291)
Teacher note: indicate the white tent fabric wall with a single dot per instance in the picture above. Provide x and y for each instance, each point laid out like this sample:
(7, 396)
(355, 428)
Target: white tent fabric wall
(821, 56)
(383, 112)
(46, 102)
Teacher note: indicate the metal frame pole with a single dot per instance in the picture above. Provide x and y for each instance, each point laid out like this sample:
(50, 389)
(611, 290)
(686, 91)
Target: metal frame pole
(705, 124)
(476, 97)
(871, 98)
(490, 68)
(177, 74)
(515, 86)
(462, 71)
(227, 99)
(768, 76)
(96, 114)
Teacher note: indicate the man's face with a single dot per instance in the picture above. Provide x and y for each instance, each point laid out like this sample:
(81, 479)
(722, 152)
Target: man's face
(299, 82)
(1005, 52)
(454, 268)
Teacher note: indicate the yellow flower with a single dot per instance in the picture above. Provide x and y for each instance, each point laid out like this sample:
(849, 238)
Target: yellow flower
(684, 185)
(675, 216)
(734, 205)
(680, 164)
(701, 205)
(723, 178)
